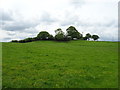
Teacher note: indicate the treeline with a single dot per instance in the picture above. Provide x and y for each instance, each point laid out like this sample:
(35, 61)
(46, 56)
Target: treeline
(71, 34)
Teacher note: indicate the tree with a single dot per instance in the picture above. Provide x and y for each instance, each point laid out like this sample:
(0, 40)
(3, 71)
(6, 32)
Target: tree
(43, 35)
(71, 31)
(95, 37)
(51, 37)
(88, 36)
(59, 35)
(67, 38)
(59, 31)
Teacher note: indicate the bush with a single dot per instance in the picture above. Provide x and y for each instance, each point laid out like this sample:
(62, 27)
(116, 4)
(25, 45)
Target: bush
(28, 39)
(14, 41)
(22, 41)
(34, 39)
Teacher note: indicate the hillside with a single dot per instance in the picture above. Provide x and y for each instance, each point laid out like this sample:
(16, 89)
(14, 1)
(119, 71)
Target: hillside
(50, 64)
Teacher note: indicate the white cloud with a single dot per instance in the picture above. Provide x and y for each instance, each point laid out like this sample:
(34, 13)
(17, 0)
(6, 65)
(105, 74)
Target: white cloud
(26, 18)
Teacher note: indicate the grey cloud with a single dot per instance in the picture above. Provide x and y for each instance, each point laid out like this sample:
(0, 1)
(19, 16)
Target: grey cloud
(16, 35)
(112, 23)
(31, 30)
(5, 16)
(7, 39)
(70, 19)
(24, 25)
(108, 38)
(47, 18)
(11, 34)
(17, 26)
(66, 23)
(9, 22)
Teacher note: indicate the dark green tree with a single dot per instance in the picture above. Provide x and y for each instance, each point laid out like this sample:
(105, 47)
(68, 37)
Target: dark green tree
(95, 37)
(59, 31)
(51, 37)
(43, 35)
(59, 35)
(68, 38)
(88, 36)
(71, 31)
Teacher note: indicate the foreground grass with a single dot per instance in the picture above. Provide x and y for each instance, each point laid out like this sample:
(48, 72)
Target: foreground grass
(47, 64)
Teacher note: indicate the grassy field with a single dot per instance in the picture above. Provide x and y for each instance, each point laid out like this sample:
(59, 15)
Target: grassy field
(48, 64)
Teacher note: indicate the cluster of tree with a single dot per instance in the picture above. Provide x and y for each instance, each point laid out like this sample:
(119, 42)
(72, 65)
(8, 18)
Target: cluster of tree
(71, 34)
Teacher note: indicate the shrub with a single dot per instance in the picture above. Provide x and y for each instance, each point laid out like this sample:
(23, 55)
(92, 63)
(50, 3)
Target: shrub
(34, 39)
(14, 41)
(28, 39)
(22, 41)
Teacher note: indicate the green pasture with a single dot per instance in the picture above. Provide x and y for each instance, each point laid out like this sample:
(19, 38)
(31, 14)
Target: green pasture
(51, 64)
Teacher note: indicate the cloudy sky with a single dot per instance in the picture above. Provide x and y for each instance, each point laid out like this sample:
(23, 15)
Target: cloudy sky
(20, 19)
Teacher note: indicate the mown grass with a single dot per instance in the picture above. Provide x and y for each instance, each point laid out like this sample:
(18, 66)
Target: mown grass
(48, 64)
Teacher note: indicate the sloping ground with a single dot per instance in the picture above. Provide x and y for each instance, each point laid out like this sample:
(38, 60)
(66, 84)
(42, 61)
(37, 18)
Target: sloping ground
(48, 64)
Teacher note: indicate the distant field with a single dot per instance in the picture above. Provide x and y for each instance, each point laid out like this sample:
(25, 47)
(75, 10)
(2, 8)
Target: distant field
(48, 64)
